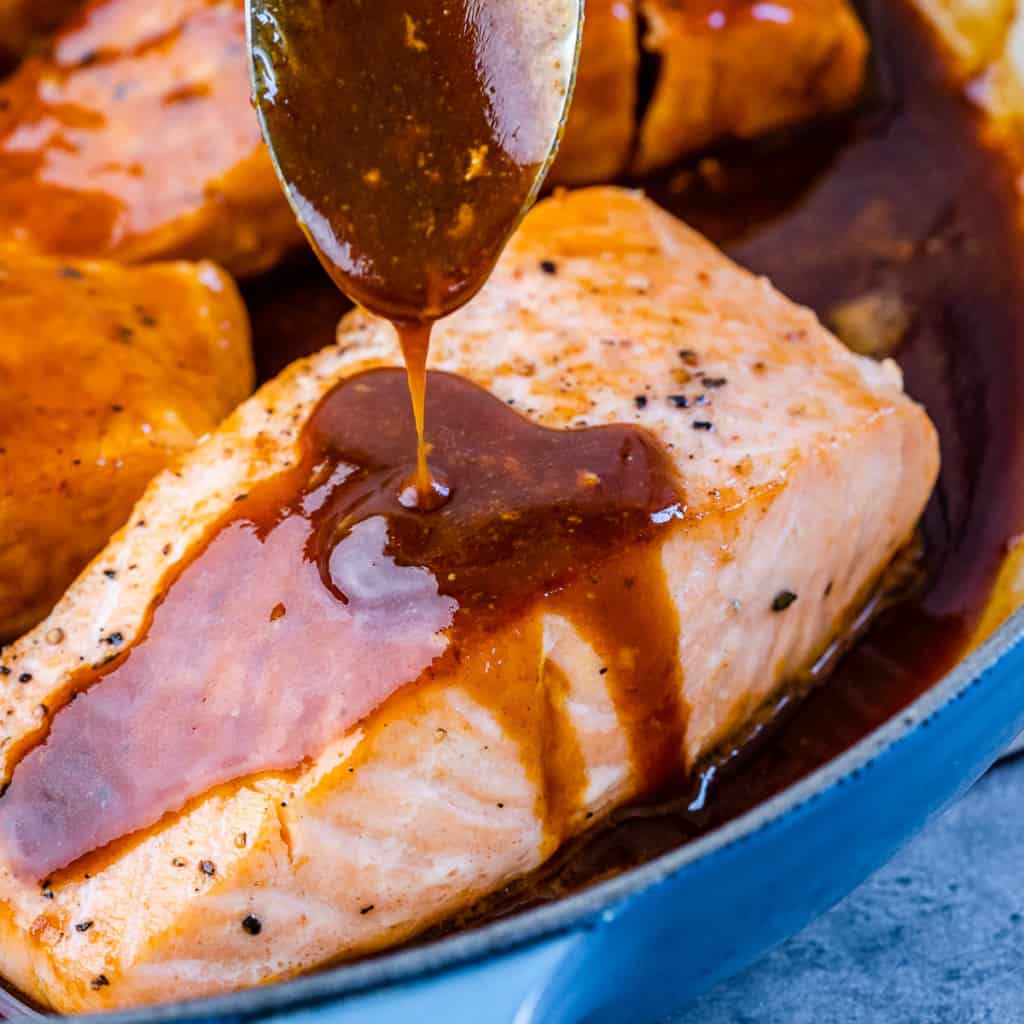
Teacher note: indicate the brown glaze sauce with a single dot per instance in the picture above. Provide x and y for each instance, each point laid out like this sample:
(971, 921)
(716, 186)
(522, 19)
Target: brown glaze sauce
(903, 199)
(321, 594)
(411, 138)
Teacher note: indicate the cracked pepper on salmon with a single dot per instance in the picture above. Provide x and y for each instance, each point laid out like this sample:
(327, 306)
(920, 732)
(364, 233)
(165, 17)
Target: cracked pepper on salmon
(286, 768)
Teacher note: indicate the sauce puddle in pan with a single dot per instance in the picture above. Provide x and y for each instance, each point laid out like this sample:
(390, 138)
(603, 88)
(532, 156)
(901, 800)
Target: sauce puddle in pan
(896, 224)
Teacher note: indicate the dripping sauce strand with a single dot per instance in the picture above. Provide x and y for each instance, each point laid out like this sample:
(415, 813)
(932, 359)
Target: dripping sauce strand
(451, 115)
(425, 490)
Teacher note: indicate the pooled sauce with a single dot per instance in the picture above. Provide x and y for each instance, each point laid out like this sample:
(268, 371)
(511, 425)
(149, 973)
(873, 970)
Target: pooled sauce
(343, 595)
(411, 137)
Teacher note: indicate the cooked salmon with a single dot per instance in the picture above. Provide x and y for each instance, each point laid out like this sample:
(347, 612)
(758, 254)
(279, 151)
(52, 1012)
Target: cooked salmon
(106, 374)
(135, 139)
(805, 469)
(741, 69)
(659, 80)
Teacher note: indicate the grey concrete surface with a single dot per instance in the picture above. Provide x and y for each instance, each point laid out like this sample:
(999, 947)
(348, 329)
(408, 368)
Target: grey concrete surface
(936, 937)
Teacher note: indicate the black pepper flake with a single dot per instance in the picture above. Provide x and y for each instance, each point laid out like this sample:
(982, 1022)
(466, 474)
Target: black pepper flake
(679, 401)
(252, 924)
(783, 599)
(100, 981)
(166, 549)
(828, 589)
(115, 639)
(603, 671)
(48, 894)
(549, 266)
(83, 926)
(208, 868)
(703, 425)
(178, 862)
(688, 356)
(715, 382)
(111, 574)
(117, 408)
(366, 909)
(4, 670)
(25, 677)
(640, 401)
(70, 273)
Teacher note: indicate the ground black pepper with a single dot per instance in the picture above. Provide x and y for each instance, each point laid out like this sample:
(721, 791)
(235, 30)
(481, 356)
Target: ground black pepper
(783, 599)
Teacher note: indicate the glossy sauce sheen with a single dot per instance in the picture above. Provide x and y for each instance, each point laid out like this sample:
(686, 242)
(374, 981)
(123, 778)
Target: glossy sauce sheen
(321, 595)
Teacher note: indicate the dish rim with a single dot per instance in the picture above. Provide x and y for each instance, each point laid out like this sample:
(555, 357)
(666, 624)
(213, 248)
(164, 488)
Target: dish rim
(580, 910)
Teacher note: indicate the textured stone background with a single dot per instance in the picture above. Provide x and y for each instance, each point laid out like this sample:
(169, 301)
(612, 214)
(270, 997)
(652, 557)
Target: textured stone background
(937, 937)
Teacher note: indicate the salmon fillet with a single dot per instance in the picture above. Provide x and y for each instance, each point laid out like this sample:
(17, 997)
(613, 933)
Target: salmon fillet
(135, 139)
(106, 373)
(740, 69)
(659, 80)
(805, 467)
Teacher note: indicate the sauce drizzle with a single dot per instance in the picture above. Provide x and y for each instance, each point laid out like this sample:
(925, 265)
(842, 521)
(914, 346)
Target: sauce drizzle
(341, 595)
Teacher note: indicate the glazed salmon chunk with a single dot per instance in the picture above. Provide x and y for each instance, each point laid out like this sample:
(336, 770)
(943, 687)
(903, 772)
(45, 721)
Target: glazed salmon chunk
(804, 468)
(106, 374)
(135, 139)
(660, 80)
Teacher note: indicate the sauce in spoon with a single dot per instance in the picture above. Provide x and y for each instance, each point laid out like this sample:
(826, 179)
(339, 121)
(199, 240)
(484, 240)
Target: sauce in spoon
(411, 137)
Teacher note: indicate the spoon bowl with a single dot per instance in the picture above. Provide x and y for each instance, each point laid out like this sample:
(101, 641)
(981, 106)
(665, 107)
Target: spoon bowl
(412, 137)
